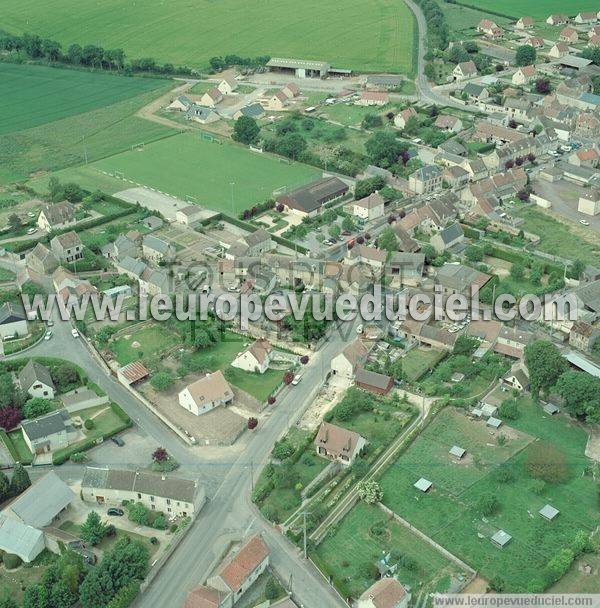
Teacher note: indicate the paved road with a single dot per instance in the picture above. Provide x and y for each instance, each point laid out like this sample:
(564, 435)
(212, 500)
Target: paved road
(424, 89)
(230, 513)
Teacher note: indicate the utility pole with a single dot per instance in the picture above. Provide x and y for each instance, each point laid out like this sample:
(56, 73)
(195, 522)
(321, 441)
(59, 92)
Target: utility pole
(304, 527)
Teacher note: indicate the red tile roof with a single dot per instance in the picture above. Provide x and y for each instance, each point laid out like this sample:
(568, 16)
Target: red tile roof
(244, 563)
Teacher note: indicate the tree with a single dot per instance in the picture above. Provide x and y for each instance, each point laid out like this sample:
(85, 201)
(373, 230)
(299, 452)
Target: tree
(138, 512)
(334, 231)
(37, 406)
(271, 400)
(465, 346)
(371, 121)
(369, 491)
(474, 253)
(288, 377)
(364, 187)
(126, 563)
(246, 130)
(9, 417)
(160, 455)
(65, 376)
(348, 224)
(4, 487)
(545, 364)
(93, 530)
(14, 222)
(577, 269)
(526, 55)
(161, 381)
(384, 149)
(252, 423)
(388, 240)
(542, 86)
(19, 481)
(517, 272)
(7, 602)
(304, 359)
(509, 409)
(544, 461)
(488, 504)
(581, 393)
(429, 252)
(160, 522)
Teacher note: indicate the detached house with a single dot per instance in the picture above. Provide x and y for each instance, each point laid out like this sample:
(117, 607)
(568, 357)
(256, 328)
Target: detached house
(447, 238)
(41, 260)
(447, 122)
(476, 92)
(67, 247)
(463, 70)
(560, 49)
(227, 86)
(404, 116)
(489, 29)
(180, 104)
(589, 17)
(48, 433)
(206, 394)
(583, 336)
(525, 23)
(277, 101)
(211, 98)
(349, 359)
(36, 381)
(13, 320)
(255, 358)
(56, 216)
(373, 98)
(370, 207)
(238, 574)
(338, 444)
(569, 34)
(385, 593)
(523, 75)
(557, 20)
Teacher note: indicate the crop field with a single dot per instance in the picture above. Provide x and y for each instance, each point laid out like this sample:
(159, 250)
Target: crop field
(376, 35)
(448, 513)
(34, 95)
(540, 9)
(53, 129)
(189, 166)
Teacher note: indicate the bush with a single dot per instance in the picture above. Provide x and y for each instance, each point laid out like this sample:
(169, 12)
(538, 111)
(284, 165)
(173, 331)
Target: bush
(78, 457)
(12, 561)
(160, 523)
(89, 424)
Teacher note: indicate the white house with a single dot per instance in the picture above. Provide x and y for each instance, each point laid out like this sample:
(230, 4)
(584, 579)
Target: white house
(227, 86)
(370, 207)
(48, 433)
(344, 365)
(465, 69)
(211, 98)
(523, 75)
(255, 358)
(404, 116)
(206, 394)
(13, 320)
(36, 381)
(338, 444)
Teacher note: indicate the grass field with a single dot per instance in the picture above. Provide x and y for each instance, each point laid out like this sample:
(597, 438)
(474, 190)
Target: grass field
(62, 130)
(34, 95)
(375, 36)
(356, 544)
(420, 360)
(187, 165)
(448, 512)
(540, 9)
(153, 340)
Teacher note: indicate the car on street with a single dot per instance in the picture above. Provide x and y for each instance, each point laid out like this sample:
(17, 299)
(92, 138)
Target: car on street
(584, 222)
(48, 335)
(115, 512)
(75, 333)
(49, 322)
(117, 441)
(296, 380)
(32, 231)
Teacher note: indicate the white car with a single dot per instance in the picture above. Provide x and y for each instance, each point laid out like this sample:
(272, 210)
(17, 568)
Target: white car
(296, 380)
(584, 222)
(32, 231)
(359, 329)
(48, 335)
(75, 333)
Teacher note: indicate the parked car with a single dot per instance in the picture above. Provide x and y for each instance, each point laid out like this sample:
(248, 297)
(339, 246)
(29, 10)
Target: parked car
(115, 512)
(75, 333)
(584, 222)
(48, 335)
(117, 441)
(32, 231)
(296, 380)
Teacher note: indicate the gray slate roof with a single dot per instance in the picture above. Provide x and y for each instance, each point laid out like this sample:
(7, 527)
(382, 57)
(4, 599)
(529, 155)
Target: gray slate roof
(18, 538)
(254, 110)
(451, 233)
(34, 372)
(11, 312)
(155, 243)
(54, 422)
(143, 482)
(43, 501)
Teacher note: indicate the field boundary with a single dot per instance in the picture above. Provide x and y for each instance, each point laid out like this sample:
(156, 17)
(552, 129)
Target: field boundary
(486, 11)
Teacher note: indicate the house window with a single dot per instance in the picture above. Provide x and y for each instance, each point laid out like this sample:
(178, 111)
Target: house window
(168, 501)
(153, 507)
(151, 498)
(139, 496)
(168, 509)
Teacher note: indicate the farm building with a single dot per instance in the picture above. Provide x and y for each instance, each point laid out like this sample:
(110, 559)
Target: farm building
(548, 512)
(338, 444)
(424, 485)
(309, 199)
(299, 67)
(457, 451)
(501, 538)
(380, 384)
(372, 98)
(550, 408)
(211, 98)
(132, 373)
(227, 86)
(494, 423)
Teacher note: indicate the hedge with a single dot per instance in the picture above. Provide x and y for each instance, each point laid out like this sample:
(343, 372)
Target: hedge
(516, 257)
(125, 596)
(61, 456)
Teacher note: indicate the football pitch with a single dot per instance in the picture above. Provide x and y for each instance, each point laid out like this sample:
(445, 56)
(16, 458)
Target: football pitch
(539, 10)
(34, 95)
(373, 36)
(221, 176)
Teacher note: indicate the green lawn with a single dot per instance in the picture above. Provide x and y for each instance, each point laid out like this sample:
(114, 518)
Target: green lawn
(363, 537)
(376, 36)
(448, 512)
(559, 238)
(540, 9)
(351, 114)
(13, 583)
(16, 438)
(153, 339)
(6, 275)
(187, 165)
(419, 360)
(463, 19)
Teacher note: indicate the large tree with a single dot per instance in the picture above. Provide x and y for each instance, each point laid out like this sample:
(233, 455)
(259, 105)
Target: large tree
(581, 392)
(246, 130)
(384, 149)
(20, 480)
(526, 55)
(93, 530)
(388, 240)
(545, 365)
